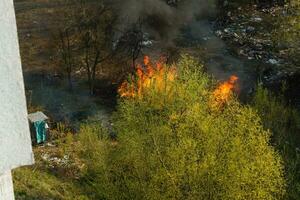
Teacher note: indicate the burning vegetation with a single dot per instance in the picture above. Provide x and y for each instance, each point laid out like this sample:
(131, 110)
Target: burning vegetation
(185, 129)
(159, 77)
(224, 91)
(148, 75)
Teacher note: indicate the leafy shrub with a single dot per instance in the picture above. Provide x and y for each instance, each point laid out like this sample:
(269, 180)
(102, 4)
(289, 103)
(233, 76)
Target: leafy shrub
(284, 123)
(179, 148)
(276, 115)
(287, 32)
(170, 145)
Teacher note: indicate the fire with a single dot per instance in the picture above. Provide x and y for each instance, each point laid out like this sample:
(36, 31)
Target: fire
(147, 76)
(222, 94)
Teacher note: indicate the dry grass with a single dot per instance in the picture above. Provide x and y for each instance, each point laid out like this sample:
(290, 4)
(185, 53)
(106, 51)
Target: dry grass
(36, 20)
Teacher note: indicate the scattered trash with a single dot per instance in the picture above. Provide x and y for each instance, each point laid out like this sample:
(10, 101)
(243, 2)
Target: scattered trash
(236, 35)
(56, 161)
(273, 61)
(246, 32)
(147, 43)
(256, 19)
(206, 38)
(49, 144)
(219, 33)
(227, 30)
(45, 157)
(250, 29)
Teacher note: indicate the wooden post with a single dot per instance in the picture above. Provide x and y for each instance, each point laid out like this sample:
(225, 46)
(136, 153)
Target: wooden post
(6, 186)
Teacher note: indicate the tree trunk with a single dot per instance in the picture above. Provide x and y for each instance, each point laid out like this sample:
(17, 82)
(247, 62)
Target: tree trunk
(66, 55)
(70, 63)
(94, 70)
(88, 70)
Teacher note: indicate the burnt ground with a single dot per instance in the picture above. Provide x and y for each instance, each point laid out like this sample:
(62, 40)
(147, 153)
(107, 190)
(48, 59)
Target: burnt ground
(35, 19)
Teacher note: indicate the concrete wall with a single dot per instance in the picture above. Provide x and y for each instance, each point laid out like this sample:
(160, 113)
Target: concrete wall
(6, 187)
(15, 142)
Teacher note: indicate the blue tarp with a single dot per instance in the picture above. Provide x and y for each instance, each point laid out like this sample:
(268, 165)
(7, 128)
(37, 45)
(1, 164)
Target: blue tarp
(40, 129)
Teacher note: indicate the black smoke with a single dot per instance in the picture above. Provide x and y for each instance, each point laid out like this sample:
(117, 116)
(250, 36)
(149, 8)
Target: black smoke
(161, 18)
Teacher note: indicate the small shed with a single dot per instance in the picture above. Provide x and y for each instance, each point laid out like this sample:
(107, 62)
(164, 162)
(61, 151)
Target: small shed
(38, 126)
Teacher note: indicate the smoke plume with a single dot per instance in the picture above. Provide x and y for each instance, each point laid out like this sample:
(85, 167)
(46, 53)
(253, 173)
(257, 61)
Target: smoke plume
(162, 18)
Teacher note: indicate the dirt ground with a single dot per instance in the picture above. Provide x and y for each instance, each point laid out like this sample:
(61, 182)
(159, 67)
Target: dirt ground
(36, 20)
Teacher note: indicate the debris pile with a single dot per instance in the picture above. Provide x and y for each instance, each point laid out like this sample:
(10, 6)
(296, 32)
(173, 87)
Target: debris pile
(250, 32)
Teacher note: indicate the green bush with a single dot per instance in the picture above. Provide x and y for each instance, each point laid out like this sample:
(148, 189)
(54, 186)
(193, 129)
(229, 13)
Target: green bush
(287, 32)
(276, 115)
(94, 149)
(284, 123)
(34, 184)
(174, 146)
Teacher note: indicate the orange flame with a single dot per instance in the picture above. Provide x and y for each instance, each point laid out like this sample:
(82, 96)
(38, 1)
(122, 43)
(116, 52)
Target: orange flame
(222, 94)
(147, 77)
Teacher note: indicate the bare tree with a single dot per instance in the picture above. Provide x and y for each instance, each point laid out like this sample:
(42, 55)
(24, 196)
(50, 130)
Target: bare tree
(65, 38)
(66, 53)
(86, 38)
(94, 23)
(131, 42)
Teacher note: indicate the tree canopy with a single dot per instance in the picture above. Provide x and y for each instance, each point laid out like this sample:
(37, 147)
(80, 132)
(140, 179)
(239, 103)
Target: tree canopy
(173, 145)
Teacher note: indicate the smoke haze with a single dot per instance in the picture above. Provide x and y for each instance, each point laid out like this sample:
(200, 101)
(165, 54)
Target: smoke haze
(165, 20)
(162, 18)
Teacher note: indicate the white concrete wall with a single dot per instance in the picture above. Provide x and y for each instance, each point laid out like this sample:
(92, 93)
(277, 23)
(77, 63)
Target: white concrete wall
(15, 142)
(6, 187)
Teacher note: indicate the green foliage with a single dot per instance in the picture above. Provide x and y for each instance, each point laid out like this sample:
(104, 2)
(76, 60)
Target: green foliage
(94, 149)
(33, 109)
(32, 184)
(55, 173)
(284, 123)
(59, 131)
(291, 23)
(174, 146)
(171, 145)
(286, 35)
(282, 120)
